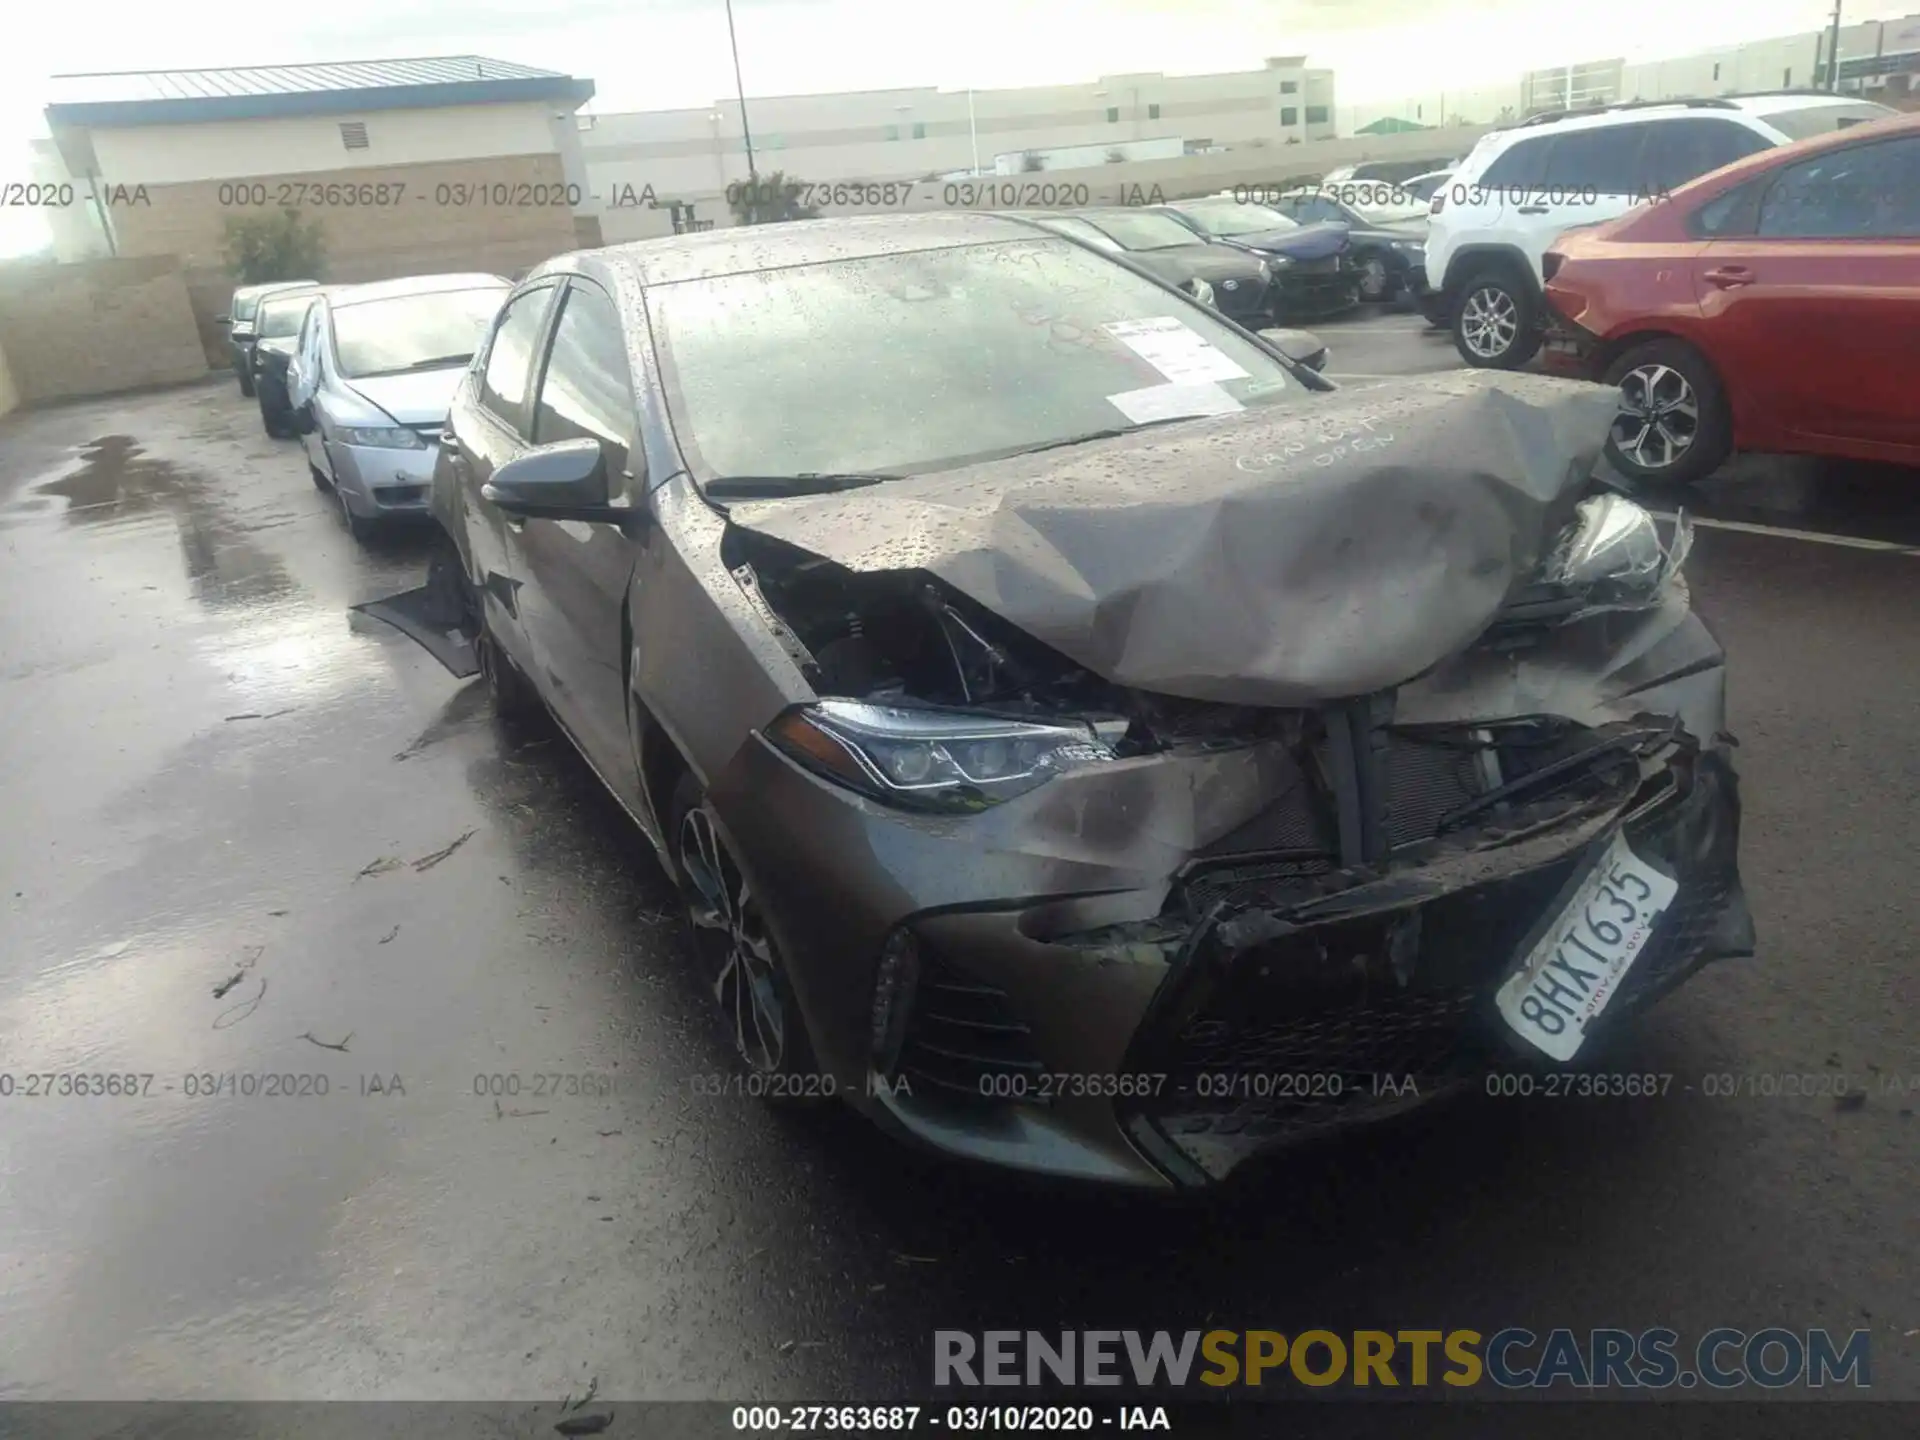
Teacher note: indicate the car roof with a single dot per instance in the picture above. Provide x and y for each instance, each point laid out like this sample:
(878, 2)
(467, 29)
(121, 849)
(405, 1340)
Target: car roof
(308, 293)
(1725, 178)
(743, 249)
(1635, 111)
(248, 291)
(344, 295)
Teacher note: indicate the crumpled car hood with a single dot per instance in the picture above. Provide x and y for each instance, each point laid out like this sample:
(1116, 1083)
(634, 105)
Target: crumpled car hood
(1283, 556)
(418, 397)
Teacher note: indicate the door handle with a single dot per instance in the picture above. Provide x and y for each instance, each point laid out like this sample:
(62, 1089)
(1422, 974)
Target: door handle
(1533, 209)
(1729, 277)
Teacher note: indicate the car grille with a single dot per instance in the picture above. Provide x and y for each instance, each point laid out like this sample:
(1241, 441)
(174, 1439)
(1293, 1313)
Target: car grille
(963, 1037)
(1313, 1031)
(1246, 298)
(1326, 265)
(399, 494)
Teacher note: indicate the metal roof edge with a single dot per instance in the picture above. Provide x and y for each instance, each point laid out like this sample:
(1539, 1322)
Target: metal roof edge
(115, 114)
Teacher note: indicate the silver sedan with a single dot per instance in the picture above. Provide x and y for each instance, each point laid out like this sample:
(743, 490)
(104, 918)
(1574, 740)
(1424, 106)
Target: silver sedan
(371, 378)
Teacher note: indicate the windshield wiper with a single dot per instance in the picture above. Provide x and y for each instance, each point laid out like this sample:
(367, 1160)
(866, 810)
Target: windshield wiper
(434, 362)
(808, 482)
(1112, 433)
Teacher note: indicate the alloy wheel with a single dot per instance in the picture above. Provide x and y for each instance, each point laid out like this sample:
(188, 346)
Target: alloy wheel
(1489, 322)
(733, 939)
(1659, 416)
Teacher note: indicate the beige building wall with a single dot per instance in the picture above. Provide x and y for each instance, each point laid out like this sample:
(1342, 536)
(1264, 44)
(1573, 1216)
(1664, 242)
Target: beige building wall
(315, 144)
(495, 187)
(910, 133)
(501, 214)
(97, 327)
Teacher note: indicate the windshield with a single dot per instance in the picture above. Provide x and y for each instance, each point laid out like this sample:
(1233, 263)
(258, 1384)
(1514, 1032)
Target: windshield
(1232, 217)
(1144, 231)
(1805, 121)
(384, 337)
(280, 319)
(902, 363)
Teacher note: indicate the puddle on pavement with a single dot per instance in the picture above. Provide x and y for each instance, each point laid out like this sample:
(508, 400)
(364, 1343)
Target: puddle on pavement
(1839, 497)
(117, 482)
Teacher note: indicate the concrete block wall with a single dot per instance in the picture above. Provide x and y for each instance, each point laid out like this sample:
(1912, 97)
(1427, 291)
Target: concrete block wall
(97, 327)
(499, 214)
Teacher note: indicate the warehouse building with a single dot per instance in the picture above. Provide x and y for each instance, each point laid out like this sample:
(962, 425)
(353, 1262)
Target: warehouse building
(450, 163)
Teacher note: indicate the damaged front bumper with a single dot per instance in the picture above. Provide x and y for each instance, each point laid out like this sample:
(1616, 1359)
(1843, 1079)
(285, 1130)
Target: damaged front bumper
(1150, 972)
(1279, 1021)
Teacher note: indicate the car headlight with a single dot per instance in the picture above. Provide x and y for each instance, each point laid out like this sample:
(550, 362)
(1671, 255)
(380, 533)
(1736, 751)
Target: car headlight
(1612, 553)
(1410, 245)
(933, 759)
(381, 437)
(1200, 290)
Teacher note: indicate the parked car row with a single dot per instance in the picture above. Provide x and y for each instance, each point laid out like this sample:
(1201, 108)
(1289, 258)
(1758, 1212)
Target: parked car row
(362, 375)
(242, 322)
(1746, 270)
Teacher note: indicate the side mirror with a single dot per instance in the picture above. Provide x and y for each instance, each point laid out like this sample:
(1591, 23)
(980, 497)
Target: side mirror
(566, 480)
(1302, 347)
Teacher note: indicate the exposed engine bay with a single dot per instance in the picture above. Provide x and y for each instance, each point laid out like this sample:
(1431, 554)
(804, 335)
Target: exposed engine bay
(903, 637)
(1375, 790)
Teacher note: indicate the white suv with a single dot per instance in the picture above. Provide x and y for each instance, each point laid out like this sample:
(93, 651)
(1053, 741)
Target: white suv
(1521, 189)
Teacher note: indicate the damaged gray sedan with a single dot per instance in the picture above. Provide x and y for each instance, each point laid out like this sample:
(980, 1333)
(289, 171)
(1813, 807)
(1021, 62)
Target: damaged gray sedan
(1085, 740)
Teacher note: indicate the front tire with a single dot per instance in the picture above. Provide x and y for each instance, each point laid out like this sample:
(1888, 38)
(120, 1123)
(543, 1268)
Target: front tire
(1673, 427)
(740, 963)
(1375, 282)
(277, 422)
(1496, 323)
(246, 383)
(513, 696)
(359, 528)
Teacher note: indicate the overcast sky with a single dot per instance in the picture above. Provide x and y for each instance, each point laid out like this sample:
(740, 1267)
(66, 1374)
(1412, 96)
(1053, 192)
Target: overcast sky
(665, 54)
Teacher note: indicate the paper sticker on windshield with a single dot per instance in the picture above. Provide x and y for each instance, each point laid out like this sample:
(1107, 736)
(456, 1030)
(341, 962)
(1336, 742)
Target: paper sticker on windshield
(1173, 402)
(1182, 355)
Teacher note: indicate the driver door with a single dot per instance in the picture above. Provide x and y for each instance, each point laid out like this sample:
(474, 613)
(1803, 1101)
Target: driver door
(480, 437)
(577, 574)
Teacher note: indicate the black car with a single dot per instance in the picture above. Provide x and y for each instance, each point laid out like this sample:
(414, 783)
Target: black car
(276, 332)
(1055, 707)
(242, 311)
(1388, 241)
(1313, 273)
(1235, 282)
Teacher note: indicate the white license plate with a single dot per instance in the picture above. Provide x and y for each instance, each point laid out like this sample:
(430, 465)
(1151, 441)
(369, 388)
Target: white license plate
(1566, 979)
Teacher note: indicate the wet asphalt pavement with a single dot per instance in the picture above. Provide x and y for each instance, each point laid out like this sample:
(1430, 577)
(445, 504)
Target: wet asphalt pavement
(229, 806)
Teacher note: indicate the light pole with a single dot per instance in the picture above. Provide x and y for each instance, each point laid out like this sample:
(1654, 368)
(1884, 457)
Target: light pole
(746, 130)
(1833, 52)
(973, 134)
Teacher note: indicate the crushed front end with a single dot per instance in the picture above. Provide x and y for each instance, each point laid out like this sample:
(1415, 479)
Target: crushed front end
(1307, 992)
(1223, 927)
